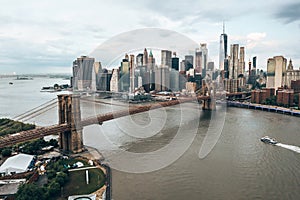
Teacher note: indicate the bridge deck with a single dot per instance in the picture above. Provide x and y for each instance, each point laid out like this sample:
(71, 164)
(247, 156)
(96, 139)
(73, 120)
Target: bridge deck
(99, 119)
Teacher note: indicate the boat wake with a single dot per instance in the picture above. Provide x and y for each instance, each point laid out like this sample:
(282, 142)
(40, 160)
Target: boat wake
(290, 147)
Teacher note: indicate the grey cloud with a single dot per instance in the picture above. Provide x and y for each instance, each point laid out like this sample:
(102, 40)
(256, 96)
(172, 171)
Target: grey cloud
(289, 13)
(110, 51)
(202, 10)
(165, 34)
(62, 27)
(149, 22)
(189, 15)
(26, 20)
(24, 53)
(67, 40)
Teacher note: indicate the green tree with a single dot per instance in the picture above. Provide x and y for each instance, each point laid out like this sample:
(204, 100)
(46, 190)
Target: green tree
(8, 126)
(54, 189)
(51, 174)
(296, 99)
(34, 147)
(6, 152)
(61, 178)
(31, 192)
(53, 142)
(271, 100)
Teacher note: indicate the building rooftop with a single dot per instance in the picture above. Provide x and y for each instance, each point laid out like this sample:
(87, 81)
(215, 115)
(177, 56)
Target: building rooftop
(83, 197)
(18, 164)
(10, 187)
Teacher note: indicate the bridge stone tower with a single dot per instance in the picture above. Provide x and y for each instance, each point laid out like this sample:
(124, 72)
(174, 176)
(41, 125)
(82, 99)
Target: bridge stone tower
(209, 89)
(69, 113)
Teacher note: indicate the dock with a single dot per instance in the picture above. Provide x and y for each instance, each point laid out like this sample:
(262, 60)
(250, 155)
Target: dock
(268, 108)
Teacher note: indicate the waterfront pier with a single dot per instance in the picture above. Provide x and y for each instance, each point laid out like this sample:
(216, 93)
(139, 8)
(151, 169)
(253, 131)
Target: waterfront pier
(267, 108)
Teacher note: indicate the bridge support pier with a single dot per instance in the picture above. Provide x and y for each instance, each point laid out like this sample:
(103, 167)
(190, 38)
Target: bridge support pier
(69, 113)
(209, 104)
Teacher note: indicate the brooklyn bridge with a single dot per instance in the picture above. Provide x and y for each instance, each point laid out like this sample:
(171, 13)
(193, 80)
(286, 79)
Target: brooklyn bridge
(70, 124)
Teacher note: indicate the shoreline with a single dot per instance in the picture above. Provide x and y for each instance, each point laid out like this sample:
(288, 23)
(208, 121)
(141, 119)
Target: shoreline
(93, 154)
(267, 108)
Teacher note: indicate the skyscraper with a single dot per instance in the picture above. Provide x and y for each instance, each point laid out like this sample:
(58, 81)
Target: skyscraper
(198, 61)
(166, 58)
(234, 61)
(145, 57)
(175, 62)
(83, 73)
(204, 50)
(103, 80)
(254, 62)
(182, 66)
(174, 80)
(210, 69)
(276, 69)
(151, 65)
(211, 66)
(124, 74)
(97, 67)
(162, 78)
(124, 65)
(241, 67)
(249, 69)
(189, 62)
(98, 72)
(223, 48)
(131, 72)
(225, 74)
(151, 61)
(139, 60)
(114, 81)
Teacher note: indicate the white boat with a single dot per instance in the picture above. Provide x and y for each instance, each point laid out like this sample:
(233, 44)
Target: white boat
(268, 140)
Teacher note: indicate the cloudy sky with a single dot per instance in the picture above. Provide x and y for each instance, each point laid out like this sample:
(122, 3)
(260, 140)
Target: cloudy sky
(46, 36)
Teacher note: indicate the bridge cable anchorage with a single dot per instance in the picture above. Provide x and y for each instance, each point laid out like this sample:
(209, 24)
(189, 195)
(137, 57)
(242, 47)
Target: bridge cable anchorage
(33, 109)
(36, 111)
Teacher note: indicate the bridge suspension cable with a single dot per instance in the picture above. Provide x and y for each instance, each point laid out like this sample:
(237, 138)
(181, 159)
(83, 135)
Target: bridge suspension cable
(102, 102)
(35, 110)
(33, 115)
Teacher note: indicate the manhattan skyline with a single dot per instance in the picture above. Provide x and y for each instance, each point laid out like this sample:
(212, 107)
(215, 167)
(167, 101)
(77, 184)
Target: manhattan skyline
(44, 37)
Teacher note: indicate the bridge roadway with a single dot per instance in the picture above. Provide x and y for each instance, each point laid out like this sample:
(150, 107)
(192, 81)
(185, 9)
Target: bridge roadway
(24, 136)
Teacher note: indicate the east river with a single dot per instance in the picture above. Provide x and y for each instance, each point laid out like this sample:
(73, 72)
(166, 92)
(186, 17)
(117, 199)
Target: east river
(156, 155)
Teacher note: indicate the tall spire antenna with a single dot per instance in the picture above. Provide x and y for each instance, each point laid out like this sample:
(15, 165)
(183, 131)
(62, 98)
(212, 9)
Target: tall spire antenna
(223, 27)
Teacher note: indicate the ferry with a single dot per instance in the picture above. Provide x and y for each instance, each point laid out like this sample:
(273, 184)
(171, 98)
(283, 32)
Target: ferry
(268, 140)
(50, 89)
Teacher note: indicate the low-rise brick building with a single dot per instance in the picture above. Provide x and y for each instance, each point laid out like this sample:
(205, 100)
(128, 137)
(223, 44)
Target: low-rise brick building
(295, 85)
(285, 97)
(260, 96)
